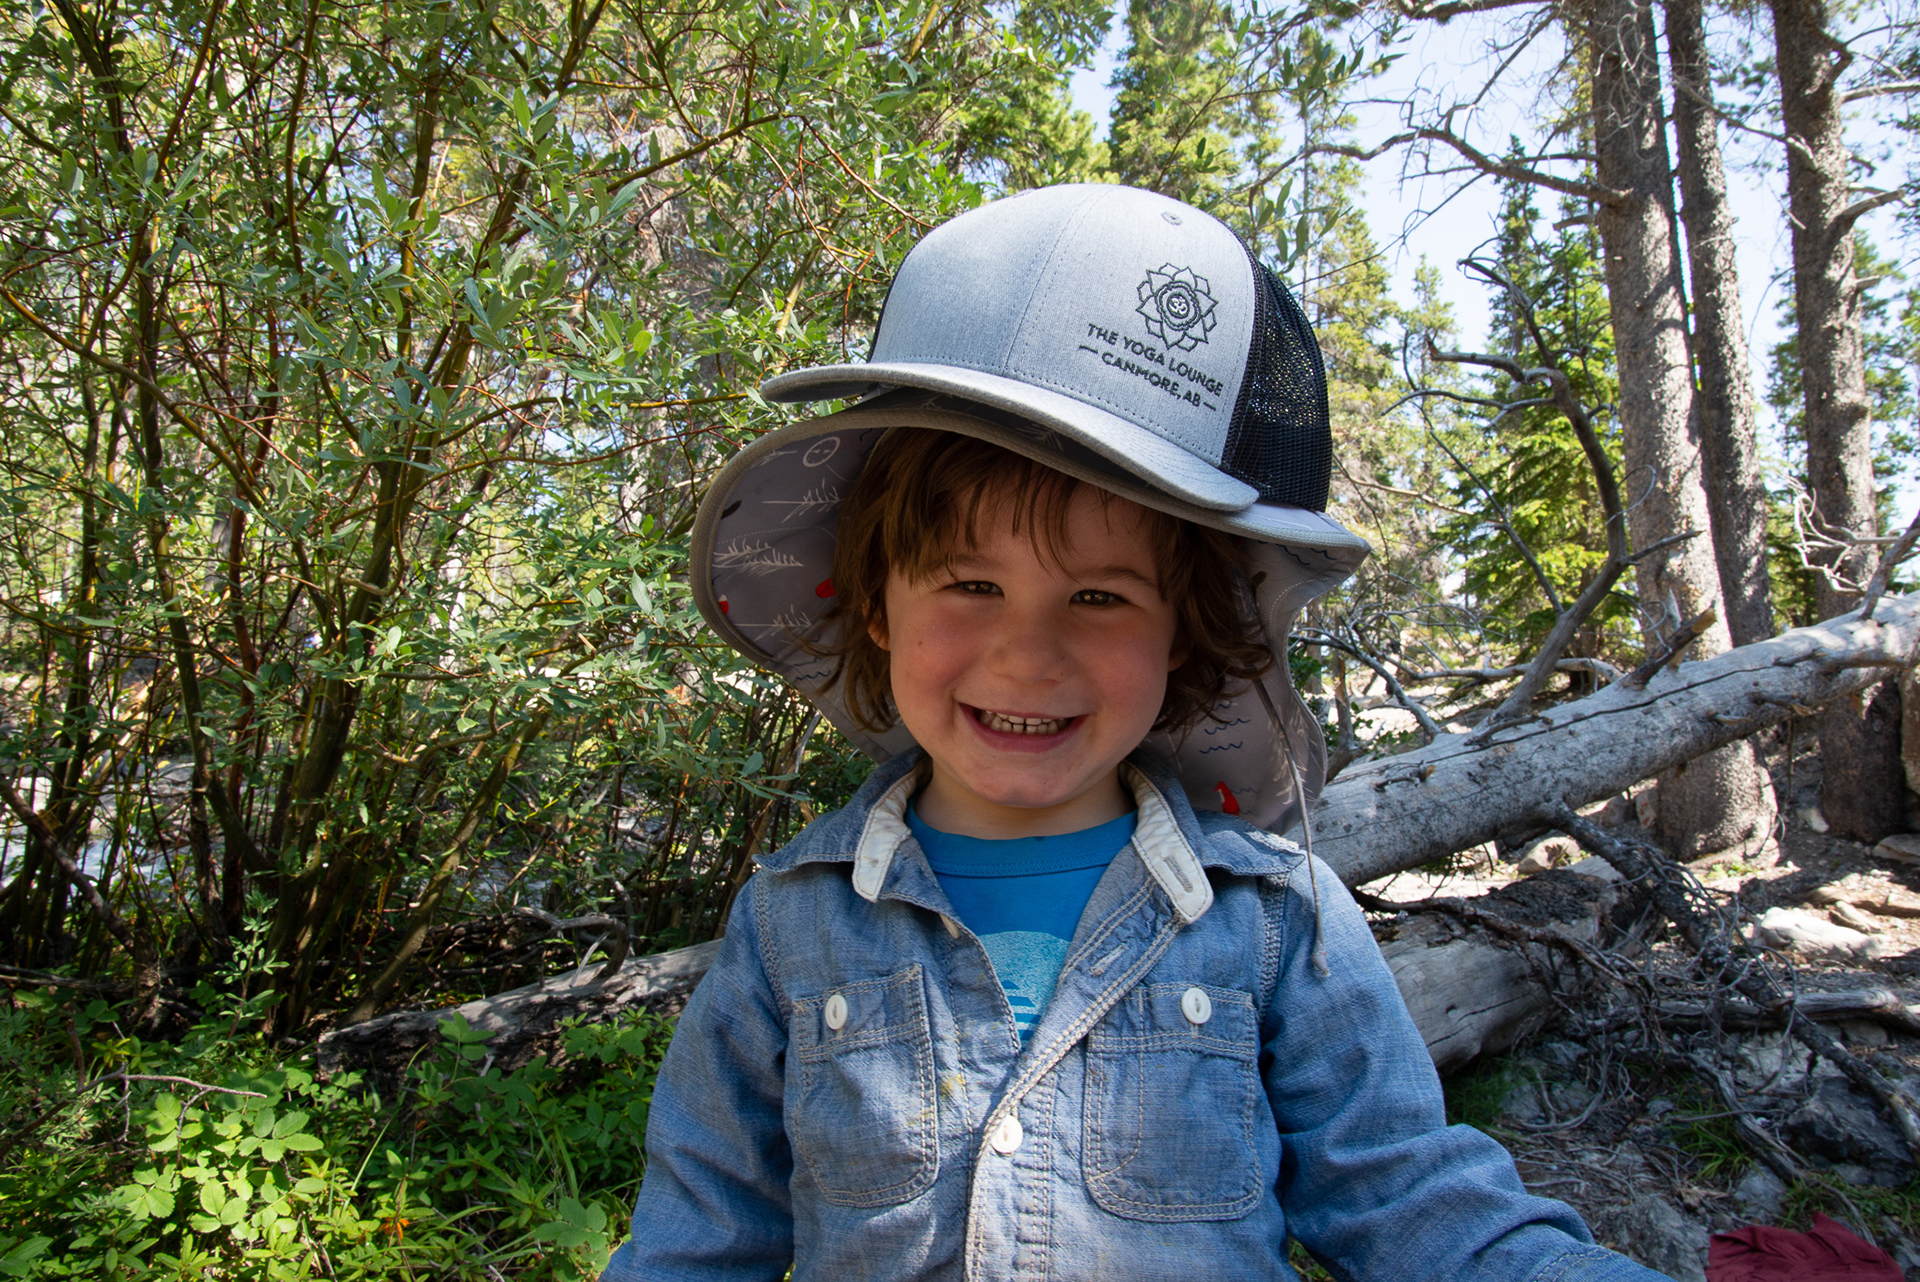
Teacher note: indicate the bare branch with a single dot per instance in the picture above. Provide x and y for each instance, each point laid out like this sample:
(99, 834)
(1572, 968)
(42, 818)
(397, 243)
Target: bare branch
(1675, 647)
(1506, 365)
(1650, 866)
(1880, 91)
(1428, 725)
(1522, 173)
(1883, 573)
(1852, 213)
(1442, 12)
(1546, 662)
(1487, 271)
(1506, 520)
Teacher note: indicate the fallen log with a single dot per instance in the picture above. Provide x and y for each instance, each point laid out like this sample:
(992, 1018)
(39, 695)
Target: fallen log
(1876, 1005)
(519, 1020)
(1383, 816)
(1470, 992)
(1477, 979)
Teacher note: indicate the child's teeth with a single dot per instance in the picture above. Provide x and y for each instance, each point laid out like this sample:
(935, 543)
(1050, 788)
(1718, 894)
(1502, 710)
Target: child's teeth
(1023, 725)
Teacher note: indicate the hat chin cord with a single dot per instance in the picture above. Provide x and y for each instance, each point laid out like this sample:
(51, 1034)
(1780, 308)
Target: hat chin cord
(1319, 954)
(1313, 879)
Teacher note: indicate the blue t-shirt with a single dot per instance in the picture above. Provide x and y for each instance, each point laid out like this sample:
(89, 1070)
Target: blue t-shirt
(1023, 897)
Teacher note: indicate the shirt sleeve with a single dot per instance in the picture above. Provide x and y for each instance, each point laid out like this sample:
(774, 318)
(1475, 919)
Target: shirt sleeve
(1372, 1179)
(714, 1204)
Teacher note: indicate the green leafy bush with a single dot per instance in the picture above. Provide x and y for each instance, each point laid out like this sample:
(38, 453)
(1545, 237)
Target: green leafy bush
(218, 1157)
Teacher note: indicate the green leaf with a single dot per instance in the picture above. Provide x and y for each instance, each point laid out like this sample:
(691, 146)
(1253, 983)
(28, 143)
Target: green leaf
(18, 1258)
(456, 1030)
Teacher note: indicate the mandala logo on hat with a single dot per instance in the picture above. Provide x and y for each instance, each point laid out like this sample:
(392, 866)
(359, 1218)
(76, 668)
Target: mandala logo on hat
(1177, 306)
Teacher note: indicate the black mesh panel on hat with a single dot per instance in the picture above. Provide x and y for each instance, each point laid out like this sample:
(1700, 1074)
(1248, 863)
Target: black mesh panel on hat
(1280, 441)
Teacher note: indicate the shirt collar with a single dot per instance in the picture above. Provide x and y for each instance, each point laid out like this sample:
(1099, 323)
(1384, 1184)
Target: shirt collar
(1174, 844)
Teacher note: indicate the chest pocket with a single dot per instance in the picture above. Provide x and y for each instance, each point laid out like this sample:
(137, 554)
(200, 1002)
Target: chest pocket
(860, 1108)
(1176, 1125)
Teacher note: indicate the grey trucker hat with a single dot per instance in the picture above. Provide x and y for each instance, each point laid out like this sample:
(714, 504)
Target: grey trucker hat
(1119, 336)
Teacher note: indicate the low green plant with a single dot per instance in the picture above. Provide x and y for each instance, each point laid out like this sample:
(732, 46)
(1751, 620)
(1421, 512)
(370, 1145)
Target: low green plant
(1475, 1093)
(217, 1156)
(1711, 1141)
(1881, 1212)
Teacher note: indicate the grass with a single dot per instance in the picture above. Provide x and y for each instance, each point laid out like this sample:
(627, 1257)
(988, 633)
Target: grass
(1475, 1093)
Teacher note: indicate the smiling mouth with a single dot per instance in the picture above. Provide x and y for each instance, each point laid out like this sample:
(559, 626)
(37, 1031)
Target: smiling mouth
(1013, 724)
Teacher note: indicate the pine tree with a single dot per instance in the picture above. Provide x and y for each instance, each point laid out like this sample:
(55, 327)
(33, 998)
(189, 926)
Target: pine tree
(1538, 477)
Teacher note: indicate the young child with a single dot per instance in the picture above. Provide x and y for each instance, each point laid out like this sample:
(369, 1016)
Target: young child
(1047, 999)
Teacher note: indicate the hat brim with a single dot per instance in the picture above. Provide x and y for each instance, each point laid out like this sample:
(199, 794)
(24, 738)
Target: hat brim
(1320, 544)
(763, 543)
(1156, 460)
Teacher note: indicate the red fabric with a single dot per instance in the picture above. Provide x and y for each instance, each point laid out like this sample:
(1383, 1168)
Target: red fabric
(1829, 1252)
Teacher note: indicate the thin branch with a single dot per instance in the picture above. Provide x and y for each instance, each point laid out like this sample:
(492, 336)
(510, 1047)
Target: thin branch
(1506, 520)
(1852, 213)
(1428, 725)
(1879, 91)
(34, 823)
(1522, 173)
(1883, 573)
(1675, 646)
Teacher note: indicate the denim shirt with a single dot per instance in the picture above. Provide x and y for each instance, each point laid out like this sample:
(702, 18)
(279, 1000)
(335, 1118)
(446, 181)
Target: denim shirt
(846, 1091)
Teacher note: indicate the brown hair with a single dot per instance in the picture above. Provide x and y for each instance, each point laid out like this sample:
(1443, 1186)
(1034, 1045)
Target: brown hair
(922, 495)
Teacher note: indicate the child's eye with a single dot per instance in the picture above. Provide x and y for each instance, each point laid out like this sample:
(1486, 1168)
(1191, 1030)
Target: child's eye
(1095, 596)
(976, 587)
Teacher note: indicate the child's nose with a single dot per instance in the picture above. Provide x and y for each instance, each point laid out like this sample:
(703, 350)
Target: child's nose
(1031, 647)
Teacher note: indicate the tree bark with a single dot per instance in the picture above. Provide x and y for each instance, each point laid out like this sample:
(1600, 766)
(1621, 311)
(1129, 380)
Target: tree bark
(1865, 797)
(1833, 378)
(1385, 815)
(1718, 801)
(1724, 397)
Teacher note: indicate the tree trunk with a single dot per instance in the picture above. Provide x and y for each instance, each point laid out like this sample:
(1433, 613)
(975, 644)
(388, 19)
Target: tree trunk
(1718, 801)
(1833, 379)
(1866, 798)
(1826, 303)
(1724, 399)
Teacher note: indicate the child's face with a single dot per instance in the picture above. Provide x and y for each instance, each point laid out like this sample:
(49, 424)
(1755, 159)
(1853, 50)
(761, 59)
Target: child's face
(1028, 682)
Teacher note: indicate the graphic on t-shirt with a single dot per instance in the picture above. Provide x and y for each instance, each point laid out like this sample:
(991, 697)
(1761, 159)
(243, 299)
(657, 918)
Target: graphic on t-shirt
(1022, 896)
(1027, 963)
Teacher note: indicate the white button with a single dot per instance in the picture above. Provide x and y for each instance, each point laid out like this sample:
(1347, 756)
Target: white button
(953, 927)
(836, 1012)
(1193, 1004)
(1006, 1137)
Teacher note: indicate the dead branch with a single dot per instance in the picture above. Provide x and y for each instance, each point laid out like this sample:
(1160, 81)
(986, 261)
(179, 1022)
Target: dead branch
(1877, 91)
(1560, 395)
(1600, 668)
(616, 956)
(1889, 560)
(1399, 812)
(1315, 636)
(1881, 1005)
(1764, 1145)
(1728, 962)
(1668, 655)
